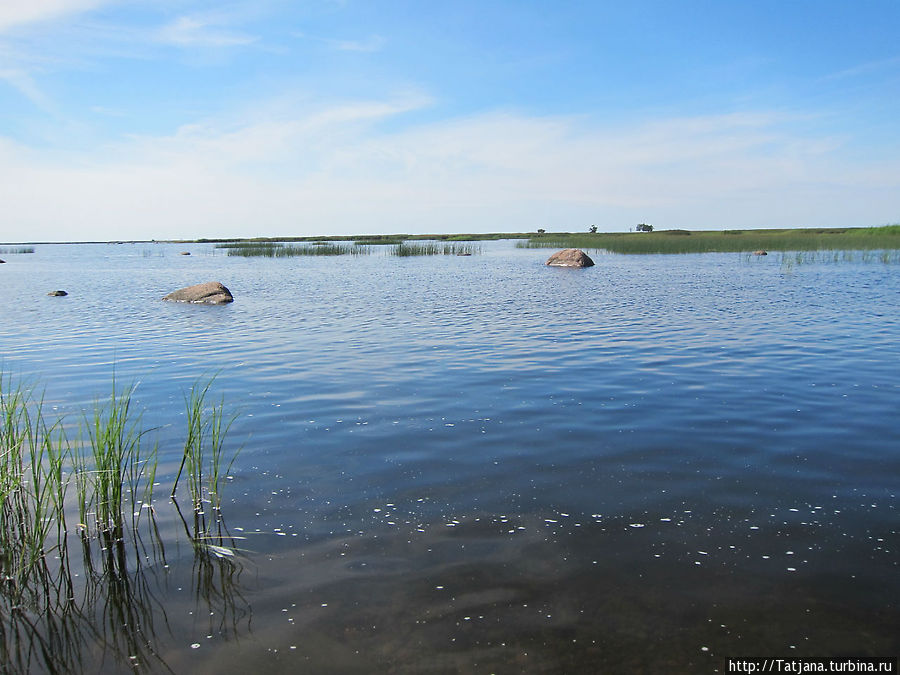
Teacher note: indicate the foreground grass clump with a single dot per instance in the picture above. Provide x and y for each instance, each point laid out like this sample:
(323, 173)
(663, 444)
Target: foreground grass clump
(687, 241)
(107, 461)
(49, 598)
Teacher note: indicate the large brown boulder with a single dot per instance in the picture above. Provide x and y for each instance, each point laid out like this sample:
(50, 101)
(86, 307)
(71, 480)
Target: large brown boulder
(570, 257)
(210, 293)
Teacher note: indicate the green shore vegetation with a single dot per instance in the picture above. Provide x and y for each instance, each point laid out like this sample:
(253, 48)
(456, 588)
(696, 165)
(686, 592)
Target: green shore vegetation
(724, 241)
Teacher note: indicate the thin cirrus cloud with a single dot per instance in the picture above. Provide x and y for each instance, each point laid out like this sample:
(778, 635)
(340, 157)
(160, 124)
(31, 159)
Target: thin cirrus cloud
(370, 44)
(24, 83)
(199, 31)
(20, 12)
(891, 65)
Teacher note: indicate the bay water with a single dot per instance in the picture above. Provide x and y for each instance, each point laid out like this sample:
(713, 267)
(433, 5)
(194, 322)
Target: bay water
(482, 464)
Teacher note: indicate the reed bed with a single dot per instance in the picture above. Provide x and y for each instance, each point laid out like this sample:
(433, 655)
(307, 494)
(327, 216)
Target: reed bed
(687, 241)
(280, 250)
(789, 259)
(405, 249)
(397, 247)
(370, 239)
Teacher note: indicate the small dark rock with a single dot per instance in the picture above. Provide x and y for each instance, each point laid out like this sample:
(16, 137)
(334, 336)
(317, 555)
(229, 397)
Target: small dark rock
(58, 294)
(210, 293)
(185, 253)
(2, 261)
(570, 257)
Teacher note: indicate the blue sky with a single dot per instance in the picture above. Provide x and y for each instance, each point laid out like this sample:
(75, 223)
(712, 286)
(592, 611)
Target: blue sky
(131, 119)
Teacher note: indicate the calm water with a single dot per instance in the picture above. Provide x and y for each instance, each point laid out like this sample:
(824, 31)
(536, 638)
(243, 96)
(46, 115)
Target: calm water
(481, 464)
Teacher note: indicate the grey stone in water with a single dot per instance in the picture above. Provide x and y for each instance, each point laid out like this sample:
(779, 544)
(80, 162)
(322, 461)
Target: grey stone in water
(760, 253)
(570, 257)
(57, 294)
(2, 261)
(185, 253)
(210, 293)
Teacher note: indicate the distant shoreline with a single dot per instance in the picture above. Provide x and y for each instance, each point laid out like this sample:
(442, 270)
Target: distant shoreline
(658, 241)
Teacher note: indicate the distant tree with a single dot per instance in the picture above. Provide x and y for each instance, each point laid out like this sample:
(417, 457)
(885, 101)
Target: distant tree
(644, 227)
(592, 229)
(541, 230)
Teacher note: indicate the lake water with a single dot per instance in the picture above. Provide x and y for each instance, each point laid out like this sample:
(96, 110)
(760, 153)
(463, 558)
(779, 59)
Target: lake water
(483, 465)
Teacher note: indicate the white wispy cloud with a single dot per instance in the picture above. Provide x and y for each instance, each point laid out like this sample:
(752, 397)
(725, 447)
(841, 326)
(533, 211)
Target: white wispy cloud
(338, 170)
(882, 65)
(19, 12)
(203, 31)
(372, 43)
(24, 83)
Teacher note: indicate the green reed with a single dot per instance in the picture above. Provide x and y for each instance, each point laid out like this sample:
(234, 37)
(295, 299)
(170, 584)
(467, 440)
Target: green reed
(405, 249)
(204, 461)
(789, 259)
(32, 484)
(280, 250)
(112, 467)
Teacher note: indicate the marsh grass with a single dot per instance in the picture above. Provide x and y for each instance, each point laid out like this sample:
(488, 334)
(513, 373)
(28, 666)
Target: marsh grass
(280, 250)
(405, 249)
(685, 241)
(398, 247)
(789, 259)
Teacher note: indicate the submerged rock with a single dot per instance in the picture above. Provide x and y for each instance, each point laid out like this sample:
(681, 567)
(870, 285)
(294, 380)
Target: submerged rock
(58, 294)
(210, 293)
(570, 257)
(760, 253)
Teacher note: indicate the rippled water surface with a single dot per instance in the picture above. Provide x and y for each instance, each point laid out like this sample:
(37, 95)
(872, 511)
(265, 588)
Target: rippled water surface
(481, 464)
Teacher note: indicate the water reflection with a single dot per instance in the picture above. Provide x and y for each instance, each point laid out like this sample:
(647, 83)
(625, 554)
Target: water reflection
(107, 607)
